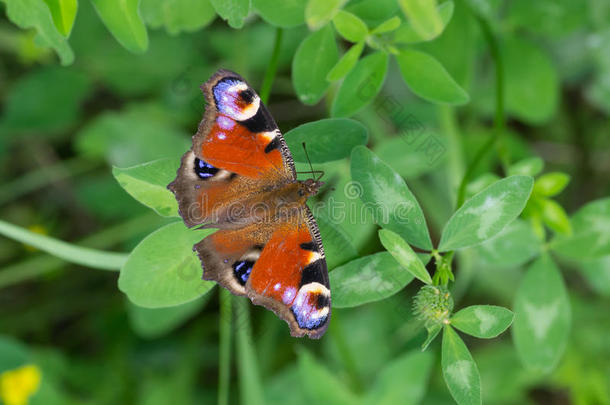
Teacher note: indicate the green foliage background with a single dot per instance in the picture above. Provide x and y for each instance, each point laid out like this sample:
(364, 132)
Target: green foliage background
(489, 121)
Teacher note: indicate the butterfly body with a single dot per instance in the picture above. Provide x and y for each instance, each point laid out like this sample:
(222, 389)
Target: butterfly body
(239, 178)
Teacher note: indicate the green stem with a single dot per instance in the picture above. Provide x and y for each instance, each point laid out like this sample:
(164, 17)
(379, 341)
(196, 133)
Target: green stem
(272, 67)
(94, 258)
(224, 368)
(45, 264)
(336, 332)
(455, 158)
(250, 383)
(499, 120)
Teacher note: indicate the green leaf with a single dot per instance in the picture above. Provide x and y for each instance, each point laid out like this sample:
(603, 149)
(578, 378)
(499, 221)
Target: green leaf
(338, 248)
(402, 252)
(367, 279)
(234, 12)
(487, 213)
(148, 182)
(83, 256)
(331, 138)
(386, 194)
(432, 334)
(312, 61)
(402, 381)
(387, 26)
(95, 192)
(373, 12)
(178, 15)
(285, 14)
(423, 16)
(532, 85)
(122, 18)
(457, 48)
(124, 139)
(482, 321)
(554, 216)
(407, 34)
(408, 159)
(551, 184)
(511, 248)
(542, 18)
(163, 270)
(486, 9)
(350, 27)
(36, 14)
(427, 78)
(346, 63)
(320, 12)
(47, 100)
(152, 323)
(63, 13)
(527, 167)
(459, 370)
(597, 273)
(590, 237)
(322, 386)
(480, 183)
(13, 354)
(542, 316)
(361, 85)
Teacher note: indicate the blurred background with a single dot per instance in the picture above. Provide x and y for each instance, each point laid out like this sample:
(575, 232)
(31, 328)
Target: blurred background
(63, 127)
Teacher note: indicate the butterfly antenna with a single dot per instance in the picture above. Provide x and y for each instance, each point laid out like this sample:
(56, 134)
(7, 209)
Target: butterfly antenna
(313, 172)
(307, 156)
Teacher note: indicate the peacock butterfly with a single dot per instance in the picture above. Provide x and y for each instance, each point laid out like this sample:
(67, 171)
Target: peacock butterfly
(239, 177)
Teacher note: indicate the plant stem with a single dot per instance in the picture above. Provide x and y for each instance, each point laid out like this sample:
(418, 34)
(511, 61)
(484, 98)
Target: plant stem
(499, 120)
(43, 264)
(455, 158)
(224, 368)
(250, 383)
(272, 67)
(94, 258)
(336, 331)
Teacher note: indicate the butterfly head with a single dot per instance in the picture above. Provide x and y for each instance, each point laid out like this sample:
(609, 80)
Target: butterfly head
(310, 187)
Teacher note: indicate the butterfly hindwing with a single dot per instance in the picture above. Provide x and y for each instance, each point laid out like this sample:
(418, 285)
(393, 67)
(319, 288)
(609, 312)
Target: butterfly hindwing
(279, 265)
(237, 151)
(228, 255)
(291, 277)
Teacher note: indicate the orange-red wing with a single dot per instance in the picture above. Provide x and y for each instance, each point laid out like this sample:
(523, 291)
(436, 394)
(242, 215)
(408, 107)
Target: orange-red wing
(291, 277)
(237, 152)
(280, 265)
(238, 133)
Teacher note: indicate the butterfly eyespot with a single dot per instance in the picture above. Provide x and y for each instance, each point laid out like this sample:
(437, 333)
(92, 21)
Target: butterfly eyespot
(242, 270)
(204, 170)
(247, 95)
(311, 306)
(322, 301)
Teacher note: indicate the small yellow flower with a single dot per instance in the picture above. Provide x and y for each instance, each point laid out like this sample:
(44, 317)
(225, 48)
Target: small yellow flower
(18, 385)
